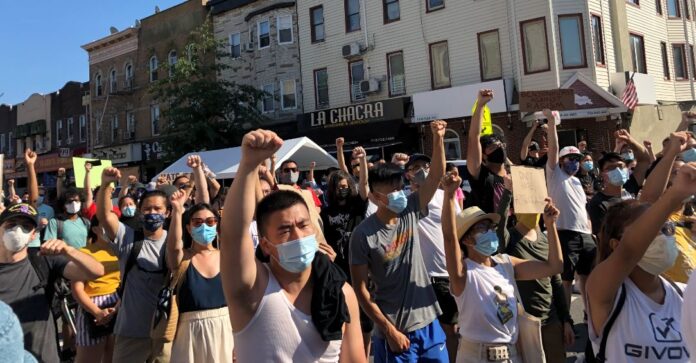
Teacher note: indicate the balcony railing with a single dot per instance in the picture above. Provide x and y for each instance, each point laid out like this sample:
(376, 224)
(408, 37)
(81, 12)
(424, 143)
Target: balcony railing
(398, 85)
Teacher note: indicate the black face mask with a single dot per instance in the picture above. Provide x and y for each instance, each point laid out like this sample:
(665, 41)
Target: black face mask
(343, 193)
(497, 156)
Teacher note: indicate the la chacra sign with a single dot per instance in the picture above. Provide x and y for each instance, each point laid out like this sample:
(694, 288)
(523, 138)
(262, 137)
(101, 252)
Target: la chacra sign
(356, 114)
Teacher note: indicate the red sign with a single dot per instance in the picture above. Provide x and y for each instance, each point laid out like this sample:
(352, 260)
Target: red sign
(52, 162)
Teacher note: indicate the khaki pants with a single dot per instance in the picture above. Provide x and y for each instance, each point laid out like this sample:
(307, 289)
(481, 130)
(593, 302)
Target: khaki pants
(139, 350)
(552, 339)
(204, 336)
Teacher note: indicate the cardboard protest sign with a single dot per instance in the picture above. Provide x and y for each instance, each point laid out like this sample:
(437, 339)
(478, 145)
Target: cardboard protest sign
(529, 185)
(556, 99)
(94, 175)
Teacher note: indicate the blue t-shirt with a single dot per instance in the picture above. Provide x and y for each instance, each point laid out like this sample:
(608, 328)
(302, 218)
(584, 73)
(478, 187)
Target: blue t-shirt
(74, 232)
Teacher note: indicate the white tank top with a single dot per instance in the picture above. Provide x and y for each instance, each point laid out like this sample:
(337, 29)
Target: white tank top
(644, 330)
(478, 310)
(279, 332)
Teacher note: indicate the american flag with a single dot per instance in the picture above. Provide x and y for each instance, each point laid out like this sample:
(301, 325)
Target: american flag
(630, 96)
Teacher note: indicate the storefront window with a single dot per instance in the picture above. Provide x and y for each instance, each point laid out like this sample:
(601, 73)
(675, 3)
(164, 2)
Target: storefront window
(453, 147)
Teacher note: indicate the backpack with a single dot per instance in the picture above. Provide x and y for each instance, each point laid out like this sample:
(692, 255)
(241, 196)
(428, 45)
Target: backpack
(60, 222)
(590, 357)
(139, 239)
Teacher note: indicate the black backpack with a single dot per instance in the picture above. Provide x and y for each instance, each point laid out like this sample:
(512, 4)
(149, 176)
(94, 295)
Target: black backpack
(139, 239)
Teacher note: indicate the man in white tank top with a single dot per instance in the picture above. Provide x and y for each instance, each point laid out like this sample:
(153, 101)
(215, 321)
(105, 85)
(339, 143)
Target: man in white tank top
(271, 304)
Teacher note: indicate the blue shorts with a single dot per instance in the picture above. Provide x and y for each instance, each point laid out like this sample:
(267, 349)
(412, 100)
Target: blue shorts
(427, 345)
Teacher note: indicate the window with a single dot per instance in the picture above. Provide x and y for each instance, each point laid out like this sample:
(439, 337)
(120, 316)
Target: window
(535, 46)
(665, 60)
(10, 150)
(153, 68)
(357, 74)
(83, 128)
(391, 10)
(235, 45)
(155, 119)
(397, 73)
(2, 143)
(439, 65)
(638, 53)
(687, 11)
(284, 29)
(453, 147)
(321, 87)
(572, 41)
(114, 128)
(98, 84)
(673, 10)
(130, 124)
(634, 2)
(129, 74)
(316, 15)
(59, 132)
(679, 59)
(264, 34)
(490, 63)
(658, 7)
(70, 130)
(598, 40)
(172, 62)
(39, 143)
(98, 132)
(352, 15)
(692, 58)
(288, 99)
(267, 102)
(113, 86)
(432, 5)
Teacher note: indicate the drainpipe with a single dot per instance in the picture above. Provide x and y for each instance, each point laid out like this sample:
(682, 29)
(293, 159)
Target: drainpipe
(557, 72)
(363, 9)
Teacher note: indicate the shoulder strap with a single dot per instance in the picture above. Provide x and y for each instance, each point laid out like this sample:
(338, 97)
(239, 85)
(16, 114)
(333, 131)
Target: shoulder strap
(132, 260)
(59, 228)
(41, 269)
(676, 287)
(179, 276)
(610, 323)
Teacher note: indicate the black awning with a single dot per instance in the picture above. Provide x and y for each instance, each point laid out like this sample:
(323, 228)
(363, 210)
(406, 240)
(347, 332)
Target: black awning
(370, 136)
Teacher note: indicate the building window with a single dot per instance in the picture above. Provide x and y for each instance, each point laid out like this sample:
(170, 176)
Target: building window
(39, 143)
(352, 8)
(267, 102)
(679, 59)
(235, 45)
(638, 53)
(687, 10)
(439, 65)
(572, 41)
(634, 2)
(453, 147)
(432, 5)
(114, 128)
(288, 94)
(692, 58)
(155, 120)
(98, 84)
(113, 86)
(128, 70)
(264, 34)
(491, 66)
(658, 7)
(70, 130)
(321, 87)
(59, 132)
(665, 60)
(153, 68)
(83, 128)
(673, 10)
(598, 40)
(172, 62)
(535, 46)
(397, 73)
(2, 143)
(130, 124)
(391, 10)
(357, 74)
(98, 133)
(284, 24)
(316, 15)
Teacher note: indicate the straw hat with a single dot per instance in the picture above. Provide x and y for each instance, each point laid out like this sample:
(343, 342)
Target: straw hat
(470, 216)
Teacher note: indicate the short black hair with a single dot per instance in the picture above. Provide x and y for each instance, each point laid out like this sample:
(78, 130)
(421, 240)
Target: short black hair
(607, 158)
(489, 139)
(286, 162)
(280, 200)
(387, 173)
(153, 194)
(91, 236)
(70, 193)
(123, 198)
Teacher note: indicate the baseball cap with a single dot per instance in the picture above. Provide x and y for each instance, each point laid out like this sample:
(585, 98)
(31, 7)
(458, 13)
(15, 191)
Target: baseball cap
(417, 157)
(470, 216)
(570, 151)
(20, 210)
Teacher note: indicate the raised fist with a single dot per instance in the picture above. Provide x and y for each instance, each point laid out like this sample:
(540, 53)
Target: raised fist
(438, 127)
(88, 167)
(340, 141)
(194, 161)
(29, 157)
(359, 153)
(484, 96)
(259, 145)
(61, 172)
(111, 175)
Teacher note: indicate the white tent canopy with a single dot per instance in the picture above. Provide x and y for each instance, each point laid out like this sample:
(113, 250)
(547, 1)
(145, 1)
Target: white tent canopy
(224, 162)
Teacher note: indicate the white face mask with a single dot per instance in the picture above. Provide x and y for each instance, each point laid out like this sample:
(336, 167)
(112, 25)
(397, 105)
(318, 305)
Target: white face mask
(15, 239)
(72, 207)
(660, 255)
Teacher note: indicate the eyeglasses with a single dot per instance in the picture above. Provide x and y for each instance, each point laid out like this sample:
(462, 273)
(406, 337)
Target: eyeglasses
(210, 221)
(289, 170)
(484, 227)
(669, 229)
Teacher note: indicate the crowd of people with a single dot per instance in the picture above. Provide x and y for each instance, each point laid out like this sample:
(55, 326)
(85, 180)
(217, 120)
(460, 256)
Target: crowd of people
(384, 261)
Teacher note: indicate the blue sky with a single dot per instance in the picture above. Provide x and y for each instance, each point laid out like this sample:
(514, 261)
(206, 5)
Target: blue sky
(40, 40)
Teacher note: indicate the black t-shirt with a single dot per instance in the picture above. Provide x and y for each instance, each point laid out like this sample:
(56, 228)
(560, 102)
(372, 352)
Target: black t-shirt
(590, 182)
(632, 185)
(597, 209)
(536, 162)
(486, 191)
(20, 287)
(339, 222)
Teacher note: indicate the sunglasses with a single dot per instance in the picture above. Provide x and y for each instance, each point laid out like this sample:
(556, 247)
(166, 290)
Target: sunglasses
(210, 221)
(289, 170)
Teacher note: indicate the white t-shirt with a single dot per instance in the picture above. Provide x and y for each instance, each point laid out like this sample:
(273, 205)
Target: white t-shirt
(478, 310)
(431, 239)
(689, 315)
(371, 209)
(644, 330)
(254, 232)
(570, 199)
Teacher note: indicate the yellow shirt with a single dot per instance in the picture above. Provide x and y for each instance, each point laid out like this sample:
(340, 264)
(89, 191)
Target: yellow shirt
(108, 283)
(686, 259)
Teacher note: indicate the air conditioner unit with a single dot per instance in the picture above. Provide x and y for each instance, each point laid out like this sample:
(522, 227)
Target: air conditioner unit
(369, 86)
(249, 47)
(352, 50)
(128, 135)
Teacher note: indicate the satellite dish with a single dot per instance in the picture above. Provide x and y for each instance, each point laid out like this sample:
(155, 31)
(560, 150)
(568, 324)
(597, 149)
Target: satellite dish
(157, 10)
(113, 30)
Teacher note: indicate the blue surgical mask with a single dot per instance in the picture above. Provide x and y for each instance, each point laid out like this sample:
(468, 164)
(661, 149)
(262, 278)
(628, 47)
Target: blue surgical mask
(397, 201)
(128, 211)
(153, 221)
(571, 166)
(587, 166)
(689, 155)
(296, 256)
(487, 243)
(628, 156)
(204, 234)
(618, 177)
